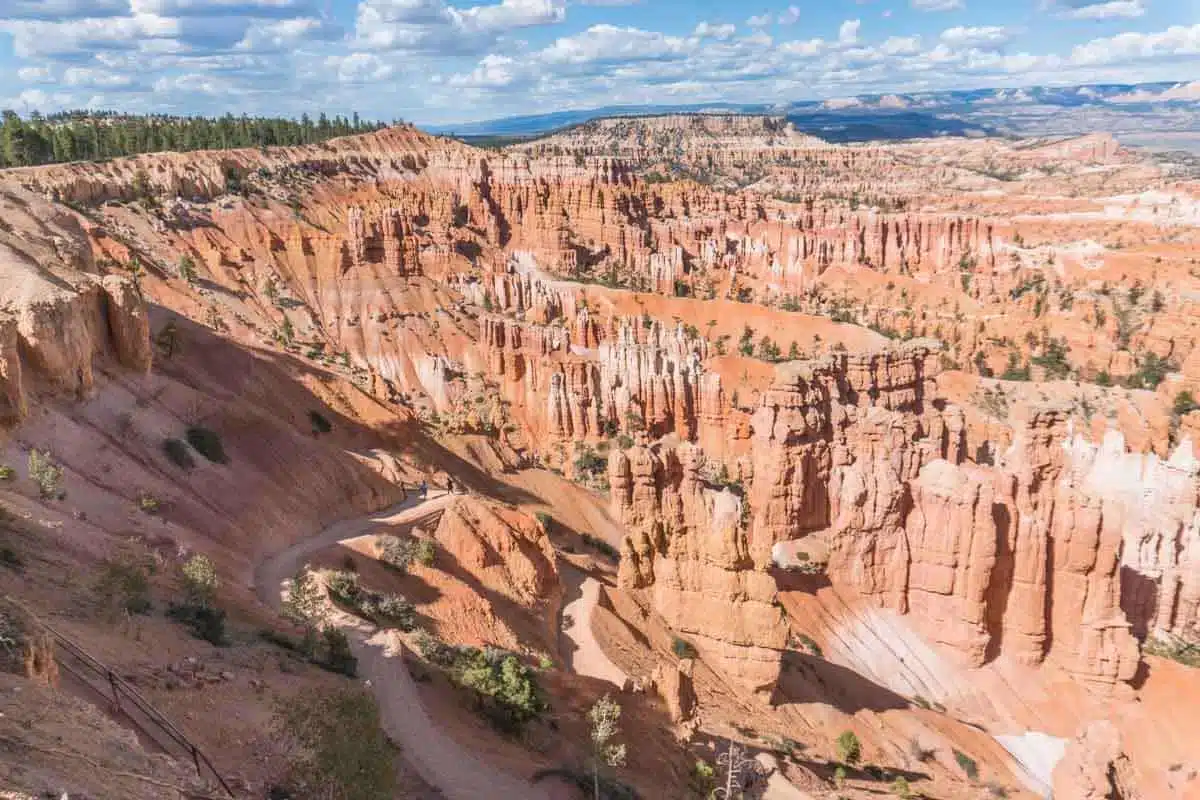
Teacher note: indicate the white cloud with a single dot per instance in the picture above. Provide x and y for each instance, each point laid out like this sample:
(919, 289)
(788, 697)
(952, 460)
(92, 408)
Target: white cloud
(760, 21)
(360, 68)
(807, 48)
(611, 43)
(1178, 40)
(1112, 9)
(707, 30)
(93, 78)
(213, 8)
(57, 10)
(493, 71)
(36, 75)
(789, 16)
(937, 5)
(278, 35)
(988, 36)
(434, 27)
(848, 32)
(901, 46)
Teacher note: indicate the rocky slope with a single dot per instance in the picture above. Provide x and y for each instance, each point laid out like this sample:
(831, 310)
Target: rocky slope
(794, 406)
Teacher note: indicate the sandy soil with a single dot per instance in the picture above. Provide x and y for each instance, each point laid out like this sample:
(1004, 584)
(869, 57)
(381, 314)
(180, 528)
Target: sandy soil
(577, 642)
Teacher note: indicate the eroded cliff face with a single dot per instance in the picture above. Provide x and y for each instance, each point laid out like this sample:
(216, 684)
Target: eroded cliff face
(857, 466)
(61, 319)
(561, 302)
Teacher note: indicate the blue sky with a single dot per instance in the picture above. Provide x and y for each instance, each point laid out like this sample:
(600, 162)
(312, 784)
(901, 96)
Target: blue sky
(443, 61)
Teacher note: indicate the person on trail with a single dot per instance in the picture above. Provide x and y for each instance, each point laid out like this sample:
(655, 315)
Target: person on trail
(424, 490)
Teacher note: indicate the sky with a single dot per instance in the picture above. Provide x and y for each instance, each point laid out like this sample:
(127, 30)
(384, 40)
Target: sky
(447, 61)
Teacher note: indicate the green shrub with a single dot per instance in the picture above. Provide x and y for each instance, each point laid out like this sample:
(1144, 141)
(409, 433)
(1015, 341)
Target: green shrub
(599, 544)
(809, 645)
(545, 520)
(682, 648)
(1173, 648)
(1184, 403)
(1151, 371)
(338, 657)
(966, 764)
(426, 552)
(7, 473)
(179, 454)
(901, 789)
(507, 690)
(207, 443)
(319, 423)
(589, 463)
(46, 474)
(343, 587)
(849, 748)
(337, 746)
(199, 580)
(10, 558)
(435, 650)
(1054, 359)
(387, 610)
(124, 584)
(396, 552)
(149, 503)
(205, 622)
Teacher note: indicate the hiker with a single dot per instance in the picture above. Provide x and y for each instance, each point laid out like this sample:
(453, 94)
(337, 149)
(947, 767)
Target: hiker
(424, 490)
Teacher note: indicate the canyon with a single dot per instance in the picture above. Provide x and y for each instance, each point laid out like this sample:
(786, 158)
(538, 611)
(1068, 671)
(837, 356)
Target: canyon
(896, 439)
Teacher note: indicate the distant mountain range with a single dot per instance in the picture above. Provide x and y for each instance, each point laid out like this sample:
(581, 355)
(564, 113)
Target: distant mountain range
(1027, 111)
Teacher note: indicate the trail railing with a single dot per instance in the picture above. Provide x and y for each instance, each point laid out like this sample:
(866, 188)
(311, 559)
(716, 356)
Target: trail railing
(126, 700)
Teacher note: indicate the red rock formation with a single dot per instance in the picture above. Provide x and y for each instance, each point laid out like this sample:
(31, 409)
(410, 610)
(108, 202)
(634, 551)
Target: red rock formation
(1094, 767)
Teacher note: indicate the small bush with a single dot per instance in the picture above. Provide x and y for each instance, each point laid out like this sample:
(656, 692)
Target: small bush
(967, 764)
(205, 622)
(849, 748)
(337, 746)
(807, 644)
(1184, 403)
(178, 453)
(682, 648)
(396, 552)
(1173, 648)
(426, 552)
(10, 558)
(46, 474)
(148, 503)
(199, 580)
(124, 584)
(338, 657)
(434, 650)
(280, 640)
(207, 443)
(704, 777)
(388, 610)
(7, 473)
(343, 587)
(319, 423)
(545, 520)
(602, 546)
(901, 789)
(506, 690)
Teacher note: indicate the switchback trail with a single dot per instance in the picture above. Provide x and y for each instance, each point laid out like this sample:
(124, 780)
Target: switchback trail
(438, 759)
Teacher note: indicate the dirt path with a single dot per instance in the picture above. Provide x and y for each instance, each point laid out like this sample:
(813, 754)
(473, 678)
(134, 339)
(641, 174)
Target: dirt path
(437, 758)
(581, 652)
